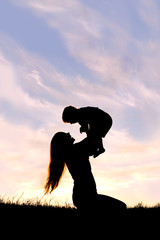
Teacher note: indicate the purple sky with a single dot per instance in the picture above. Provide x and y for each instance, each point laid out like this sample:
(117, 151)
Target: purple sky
(82, 53)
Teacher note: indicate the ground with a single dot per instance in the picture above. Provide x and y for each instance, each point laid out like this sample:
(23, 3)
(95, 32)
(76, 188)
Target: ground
(66, 220)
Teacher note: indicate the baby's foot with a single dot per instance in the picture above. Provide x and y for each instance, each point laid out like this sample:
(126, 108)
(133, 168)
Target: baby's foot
(102, 150)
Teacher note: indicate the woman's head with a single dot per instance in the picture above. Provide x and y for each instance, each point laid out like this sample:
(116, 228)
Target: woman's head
(60, 146)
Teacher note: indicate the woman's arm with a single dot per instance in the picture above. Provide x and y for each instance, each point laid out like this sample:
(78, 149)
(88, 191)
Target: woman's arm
(85, 146)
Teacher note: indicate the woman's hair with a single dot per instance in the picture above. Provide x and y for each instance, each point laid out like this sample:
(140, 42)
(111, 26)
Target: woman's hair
(58, 150)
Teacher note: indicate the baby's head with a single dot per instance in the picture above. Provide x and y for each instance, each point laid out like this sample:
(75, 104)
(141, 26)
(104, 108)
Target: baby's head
(70, 115)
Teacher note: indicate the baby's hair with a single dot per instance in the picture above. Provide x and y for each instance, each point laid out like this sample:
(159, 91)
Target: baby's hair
(68, 113)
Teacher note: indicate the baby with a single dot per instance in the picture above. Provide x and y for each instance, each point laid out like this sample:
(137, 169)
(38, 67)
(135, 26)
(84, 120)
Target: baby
(94, 121)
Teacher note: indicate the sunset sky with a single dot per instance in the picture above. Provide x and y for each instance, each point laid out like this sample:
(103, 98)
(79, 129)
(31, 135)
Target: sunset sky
(55, 53)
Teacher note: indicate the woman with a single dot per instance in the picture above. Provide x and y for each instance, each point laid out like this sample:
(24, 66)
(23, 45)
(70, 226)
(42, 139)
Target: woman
(63, 152)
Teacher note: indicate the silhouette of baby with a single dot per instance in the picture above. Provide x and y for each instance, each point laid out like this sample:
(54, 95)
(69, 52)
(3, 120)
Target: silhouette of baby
(94, 121)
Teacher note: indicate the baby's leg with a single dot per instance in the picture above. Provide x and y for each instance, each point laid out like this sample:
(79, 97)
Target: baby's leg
(100, 144)
(99, 147)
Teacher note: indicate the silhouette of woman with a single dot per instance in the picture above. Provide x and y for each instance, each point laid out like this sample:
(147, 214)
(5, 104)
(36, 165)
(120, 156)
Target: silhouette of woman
(63, 152)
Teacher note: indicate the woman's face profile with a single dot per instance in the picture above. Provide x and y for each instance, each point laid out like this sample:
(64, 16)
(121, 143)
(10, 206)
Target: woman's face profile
(70, 139)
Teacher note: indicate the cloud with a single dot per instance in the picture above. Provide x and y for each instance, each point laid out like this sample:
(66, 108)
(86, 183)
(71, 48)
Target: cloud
(128, 167)
(11, 92)
(42, 90)
(24, 155)
(149, 13)
(82, 32)
(29, 85)
(89, 45)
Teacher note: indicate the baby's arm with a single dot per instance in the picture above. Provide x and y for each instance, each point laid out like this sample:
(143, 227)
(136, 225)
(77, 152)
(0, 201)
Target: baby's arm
(84, 126)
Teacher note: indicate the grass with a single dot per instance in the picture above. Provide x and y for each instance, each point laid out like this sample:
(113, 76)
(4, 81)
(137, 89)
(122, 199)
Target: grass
(16, 203)
(41, 215)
